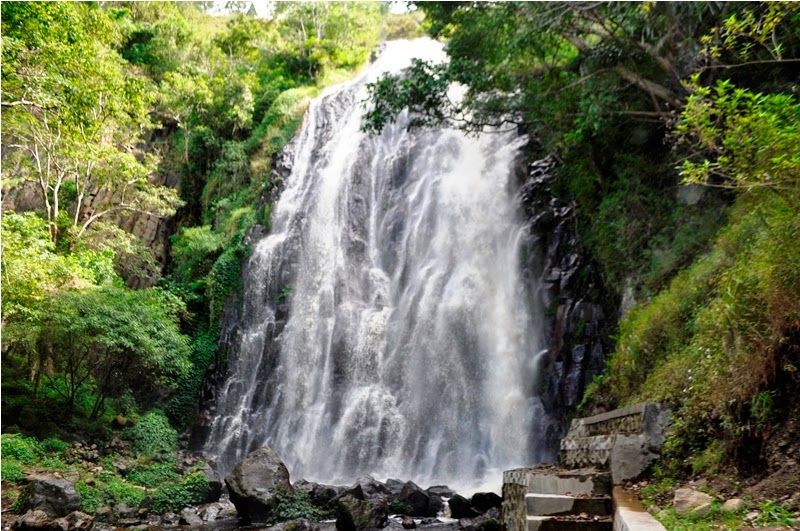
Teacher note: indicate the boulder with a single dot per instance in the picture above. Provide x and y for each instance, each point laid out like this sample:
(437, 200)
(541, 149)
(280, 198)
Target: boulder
(253, 483)
(353, 514)
(371, 487)
(442, 491)
(320, 495)
(418, 500)
(690, 501)
(104, 515)
(33, 520)
(170, 518)
(461, 508)
(394, 486)
(299, 524)
(214, 484)
(733, 505)
(56, 497)
(189, 516)
(77, 521)
(483, 501)
(123, 510)
(490, 521)
(209, 512)
(408, 523)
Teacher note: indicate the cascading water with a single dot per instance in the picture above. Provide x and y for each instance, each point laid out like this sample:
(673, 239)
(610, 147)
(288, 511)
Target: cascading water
(409, 342)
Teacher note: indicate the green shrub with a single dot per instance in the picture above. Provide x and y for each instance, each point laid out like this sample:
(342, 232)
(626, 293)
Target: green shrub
(25, 450)
(152, 475)
(296, 505)
(54, 445)
(177, 495)
(399, 507)
(11, 470)
(152, 436)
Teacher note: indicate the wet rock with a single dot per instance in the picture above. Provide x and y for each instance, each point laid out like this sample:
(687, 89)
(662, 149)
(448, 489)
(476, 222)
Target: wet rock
(418, 500)
(483, 501)
(461, 508)
(443, 491)
(320, 495)
(394, 486)
(123, 510)
(209, 512)
(170, 518)
(189, 516)
(214, 484)
(353, 514)
(299, 524)
(371, 487)
(490, 521)
(253, 483)
(75, 521)
(31, 521)
(408, 523)
(56, 497)
(128, 522)
(690, 501)
(104, 515)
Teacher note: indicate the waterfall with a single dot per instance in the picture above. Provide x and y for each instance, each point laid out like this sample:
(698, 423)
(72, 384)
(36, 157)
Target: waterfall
(385, 328)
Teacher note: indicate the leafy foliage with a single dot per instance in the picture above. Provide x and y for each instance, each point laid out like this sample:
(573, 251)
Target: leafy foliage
(152, 436)
(749, 139)
(292, 506)
(191, 490)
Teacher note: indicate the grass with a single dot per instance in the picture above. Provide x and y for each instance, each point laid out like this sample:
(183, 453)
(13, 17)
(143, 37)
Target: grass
(716, 343)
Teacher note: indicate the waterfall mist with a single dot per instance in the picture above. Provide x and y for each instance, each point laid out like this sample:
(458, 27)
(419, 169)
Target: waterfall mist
(385, 328)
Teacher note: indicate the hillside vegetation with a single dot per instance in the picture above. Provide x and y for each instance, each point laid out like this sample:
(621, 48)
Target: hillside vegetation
(116, 115)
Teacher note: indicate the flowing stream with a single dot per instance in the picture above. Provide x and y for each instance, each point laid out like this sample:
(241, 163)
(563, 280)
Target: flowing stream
(385, 327)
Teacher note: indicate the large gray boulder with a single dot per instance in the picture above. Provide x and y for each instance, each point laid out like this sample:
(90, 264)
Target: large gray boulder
(353, 514)
(690, 501)
(253, 483)
(57, 497)
(421, 503)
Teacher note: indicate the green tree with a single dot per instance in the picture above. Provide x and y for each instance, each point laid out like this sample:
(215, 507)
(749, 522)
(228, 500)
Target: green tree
(108, 340)
(74, 116)
(740, 139)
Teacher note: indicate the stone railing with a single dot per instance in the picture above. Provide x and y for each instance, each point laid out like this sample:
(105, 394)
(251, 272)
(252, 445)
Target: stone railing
(625, 440)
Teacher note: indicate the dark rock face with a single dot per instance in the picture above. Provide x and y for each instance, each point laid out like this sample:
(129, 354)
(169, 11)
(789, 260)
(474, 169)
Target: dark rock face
(460, 507)
(420, 501)
(483, 501)
(214, 484)
(353, 514)
(443, 491)
(253, 483)
(577, 320)
(485, 522)
(320, 495)
(56, 497)
(372, 487)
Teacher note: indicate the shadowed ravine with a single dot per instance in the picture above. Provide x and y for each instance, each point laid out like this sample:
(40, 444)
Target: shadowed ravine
(385, 327)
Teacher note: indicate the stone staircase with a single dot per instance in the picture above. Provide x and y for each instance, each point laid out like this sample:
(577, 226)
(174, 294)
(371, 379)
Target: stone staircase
(597, 453)
(557, 499)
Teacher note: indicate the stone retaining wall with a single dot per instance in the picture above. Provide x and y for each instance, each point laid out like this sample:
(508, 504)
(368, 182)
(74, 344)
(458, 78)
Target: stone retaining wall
(625, 440)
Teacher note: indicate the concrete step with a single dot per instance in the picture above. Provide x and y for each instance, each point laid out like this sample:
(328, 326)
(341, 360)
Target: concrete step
(560, 504)
(585, 481)
(554, 523)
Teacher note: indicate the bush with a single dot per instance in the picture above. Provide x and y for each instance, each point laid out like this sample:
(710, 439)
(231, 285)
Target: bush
(152, 475)
(296, 505)
(24, 450)
(192, 490)
(152, 436)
